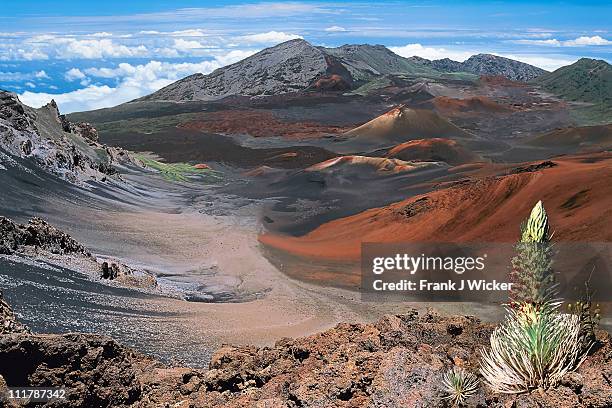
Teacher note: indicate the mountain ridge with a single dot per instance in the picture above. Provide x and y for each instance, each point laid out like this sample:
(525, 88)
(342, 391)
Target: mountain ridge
(586, 80)
(296, 65)
(485, 64)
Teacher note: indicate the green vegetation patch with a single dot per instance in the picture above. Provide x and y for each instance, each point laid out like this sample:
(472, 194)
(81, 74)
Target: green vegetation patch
(373, 85)
(145, 125)
(179, 172)
(586, 80)
(599, 114)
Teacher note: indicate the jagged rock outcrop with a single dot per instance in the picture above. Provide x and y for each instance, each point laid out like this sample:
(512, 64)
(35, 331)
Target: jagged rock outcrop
(395, 362)
(485, 64)
(39, 235)
(8, 321)
(69, 150)
(85, 130)
(40, 239)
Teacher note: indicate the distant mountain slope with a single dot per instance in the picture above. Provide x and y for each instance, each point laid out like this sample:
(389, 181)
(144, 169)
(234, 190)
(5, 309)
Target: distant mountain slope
(292, 66)
(485, 64)
(297, 65)
(366, 61)
(442, 65)
(583, 138)
(586, 80)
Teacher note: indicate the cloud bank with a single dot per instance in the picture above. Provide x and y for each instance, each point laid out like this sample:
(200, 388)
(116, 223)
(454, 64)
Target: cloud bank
(133, 81)
(583, 41)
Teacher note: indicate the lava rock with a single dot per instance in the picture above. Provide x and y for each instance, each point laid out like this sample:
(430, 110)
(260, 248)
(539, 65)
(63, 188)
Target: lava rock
(37, 234)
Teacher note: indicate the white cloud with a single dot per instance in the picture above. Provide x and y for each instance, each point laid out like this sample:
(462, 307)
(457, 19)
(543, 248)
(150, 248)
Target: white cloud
(242, 11)
(335, 29)
(271, 37)
(167, 53)
(535, 33)
(74, 74)
(187, 45)
(553, 41)
(42, 38)
(549, 63)
(41, 75)
(101, 34)
(194, 32)
(30, 85)
(31, 55)
(133, 81)
(91, 97)
(191, 32)
(233, 56)
(47, 46)
(12, 76)
(431, 53)
(98, 49)
(583, 41)
(22, 76)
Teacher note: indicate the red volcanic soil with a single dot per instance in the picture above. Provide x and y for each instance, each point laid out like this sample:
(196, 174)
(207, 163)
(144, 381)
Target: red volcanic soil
(497, 80)
(435, 149)
(477, 104)
(257, 124)
(286, 156)
(259, 171)
(332, 82)
(402, 123)
(576, 192)
(379, 164)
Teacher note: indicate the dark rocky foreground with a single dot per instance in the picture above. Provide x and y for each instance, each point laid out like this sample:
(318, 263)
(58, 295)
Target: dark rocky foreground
(395, 362)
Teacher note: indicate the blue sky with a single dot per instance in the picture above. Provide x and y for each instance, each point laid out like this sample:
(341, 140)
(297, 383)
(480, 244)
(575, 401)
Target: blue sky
(89, 55)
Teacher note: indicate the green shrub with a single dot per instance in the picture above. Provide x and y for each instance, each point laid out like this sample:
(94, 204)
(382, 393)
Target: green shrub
(589, 315)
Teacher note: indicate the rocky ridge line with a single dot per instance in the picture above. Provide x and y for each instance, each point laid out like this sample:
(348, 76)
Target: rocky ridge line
(485, 64)
(69, 150)
(297, 65)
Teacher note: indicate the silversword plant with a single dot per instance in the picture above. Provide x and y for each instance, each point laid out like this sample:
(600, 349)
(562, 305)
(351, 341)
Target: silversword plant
(534, 347)
(532, 274)
(537, 344)
(458, 385)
